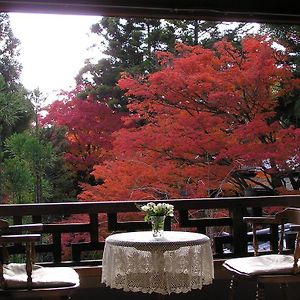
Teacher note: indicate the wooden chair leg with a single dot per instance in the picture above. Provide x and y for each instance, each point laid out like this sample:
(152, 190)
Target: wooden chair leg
(283, 287)
(232, 288)
(260, 291)
(2, 281)
(29, 260)
(2, 262)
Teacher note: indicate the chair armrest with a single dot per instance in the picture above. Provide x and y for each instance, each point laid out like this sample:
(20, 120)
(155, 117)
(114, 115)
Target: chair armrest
(30, 228)
(255, 221)
(13, 238)
(295, 228)
(261, 220)
(28, 240)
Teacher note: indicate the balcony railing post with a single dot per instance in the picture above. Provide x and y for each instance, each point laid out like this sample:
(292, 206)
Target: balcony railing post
(274, 237)
(56, 247)
(94, 232)
(239, 229)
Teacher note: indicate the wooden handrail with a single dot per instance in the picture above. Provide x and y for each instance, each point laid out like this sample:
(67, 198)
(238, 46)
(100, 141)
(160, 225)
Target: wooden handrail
(129, 205)
(190, 215)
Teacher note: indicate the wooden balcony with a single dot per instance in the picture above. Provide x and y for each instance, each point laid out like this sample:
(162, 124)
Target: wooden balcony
(95, 220)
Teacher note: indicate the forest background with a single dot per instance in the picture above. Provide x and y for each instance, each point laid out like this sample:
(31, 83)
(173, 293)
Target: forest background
(176, 109)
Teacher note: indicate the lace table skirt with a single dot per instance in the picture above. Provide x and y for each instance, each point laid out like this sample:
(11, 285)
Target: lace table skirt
(172, 264)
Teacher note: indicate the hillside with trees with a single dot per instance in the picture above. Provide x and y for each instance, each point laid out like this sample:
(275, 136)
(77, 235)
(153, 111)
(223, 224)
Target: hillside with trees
(175, 109)
(198, 112)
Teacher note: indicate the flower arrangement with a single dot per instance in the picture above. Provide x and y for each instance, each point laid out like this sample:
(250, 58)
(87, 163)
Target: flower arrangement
(161, 209)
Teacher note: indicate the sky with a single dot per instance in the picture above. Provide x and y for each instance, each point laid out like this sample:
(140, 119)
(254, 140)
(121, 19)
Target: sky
(53, 49)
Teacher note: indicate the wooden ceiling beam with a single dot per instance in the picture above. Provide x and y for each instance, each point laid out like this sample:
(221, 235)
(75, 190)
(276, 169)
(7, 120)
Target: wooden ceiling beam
(218, 10)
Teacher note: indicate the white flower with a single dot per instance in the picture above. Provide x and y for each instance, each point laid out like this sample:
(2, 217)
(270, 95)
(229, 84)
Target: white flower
(160, 209)
(144, 208)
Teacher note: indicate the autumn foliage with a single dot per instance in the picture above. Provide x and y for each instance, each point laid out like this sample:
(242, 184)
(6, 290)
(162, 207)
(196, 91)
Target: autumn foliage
(198, 125)
(89, 127)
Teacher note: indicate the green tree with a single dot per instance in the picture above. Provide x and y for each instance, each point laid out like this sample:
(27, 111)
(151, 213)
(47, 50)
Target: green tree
(26, 159)
(15, 110)
(15, 115)
(37, 156)
(10, 68)
(37, 100)
(130, 45)
(288, 36)
(195, 32)
(18, 181)
(61, 178)
(15, 107)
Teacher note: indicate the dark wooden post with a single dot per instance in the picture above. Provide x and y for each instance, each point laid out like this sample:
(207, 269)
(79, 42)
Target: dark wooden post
(57, 247)
(240, 244)
(94, 232)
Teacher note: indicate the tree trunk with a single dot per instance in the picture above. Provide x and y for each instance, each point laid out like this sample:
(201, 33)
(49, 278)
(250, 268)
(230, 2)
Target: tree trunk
(38, 188)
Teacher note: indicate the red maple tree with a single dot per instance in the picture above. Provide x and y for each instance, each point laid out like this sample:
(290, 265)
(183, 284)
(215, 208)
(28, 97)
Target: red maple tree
(201, 122)
(89, 126)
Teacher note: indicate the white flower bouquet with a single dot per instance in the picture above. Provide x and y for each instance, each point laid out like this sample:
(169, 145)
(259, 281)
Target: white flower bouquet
(161, 209)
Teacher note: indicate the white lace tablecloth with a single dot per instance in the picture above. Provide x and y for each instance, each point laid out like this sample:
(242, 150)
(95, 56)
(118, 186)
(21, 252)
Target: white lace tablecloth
(176, 263)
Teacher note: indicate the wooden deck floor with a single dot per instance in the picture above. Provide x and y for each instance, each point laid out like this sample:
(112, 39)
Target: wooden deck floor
(92, 289)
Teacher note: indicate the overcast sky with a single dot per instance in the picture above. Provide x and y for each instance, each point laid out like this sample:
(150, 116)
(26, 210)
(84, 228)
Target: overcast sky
(53, 48)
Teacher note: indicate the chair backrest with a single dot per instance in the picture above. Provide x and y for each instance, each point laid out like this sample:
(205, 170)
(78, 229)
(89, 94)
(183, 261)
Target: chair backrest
(28, 281)
(14, 235)
(290, 215)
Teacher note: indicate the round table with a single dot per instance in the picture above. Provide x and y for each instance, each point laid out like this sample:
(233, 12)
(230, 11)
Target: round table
(177, 262)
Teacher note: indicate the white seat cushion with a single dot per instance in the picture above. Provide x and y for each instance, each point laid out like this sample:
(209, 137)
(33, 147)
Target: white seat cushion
(260, 265)
(42, 277)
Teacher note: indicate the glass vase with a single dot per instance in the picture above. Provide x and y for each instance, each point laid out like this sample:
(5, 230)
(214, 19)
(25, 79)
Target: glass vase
(158, 224)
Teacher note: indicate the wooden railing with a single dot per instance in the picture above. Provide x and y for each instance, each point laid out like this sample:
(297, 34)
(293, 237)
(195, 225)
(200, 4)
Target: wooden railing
(220, 218)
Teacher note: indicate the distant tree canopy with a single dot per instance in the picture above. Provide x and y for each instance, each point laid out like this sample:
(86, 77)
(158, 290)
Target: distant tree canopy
(16, 110)
(130, 46)
(202, 109)
(10, 67)
(88, 126)
(25, 165)
(209, 117)
(27, 157)
(289, 37)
